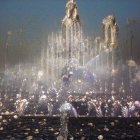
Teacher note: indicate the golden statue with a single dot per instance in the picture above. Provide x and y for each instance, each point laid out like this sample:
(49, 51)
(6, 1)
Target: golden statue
(71, 16)
(71, 30)
(110, 31)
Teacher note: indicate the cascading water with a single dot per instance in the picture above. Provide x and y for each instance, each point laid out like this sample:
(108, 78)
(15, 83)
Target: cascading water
(69, 61)
(67, 45)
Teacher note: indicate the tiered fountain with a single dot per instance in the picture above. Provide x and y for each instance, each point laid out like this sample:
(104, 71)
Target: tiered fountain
(68, 50)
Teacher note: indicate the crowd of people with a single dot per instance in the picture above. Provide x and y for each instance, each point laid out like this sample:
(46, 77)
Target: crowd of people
(27, 93)
(103, 106)
(50, 103)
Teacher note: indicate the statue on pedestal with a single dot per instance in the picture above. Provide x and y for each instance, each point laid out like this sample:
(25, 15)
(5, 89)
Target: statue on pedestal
(71, 13)
(110, 31)
(71, 31)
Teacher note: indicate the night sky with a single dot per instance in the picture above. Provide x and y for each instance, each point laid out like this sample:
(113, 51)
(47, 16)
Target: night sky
(37, 18)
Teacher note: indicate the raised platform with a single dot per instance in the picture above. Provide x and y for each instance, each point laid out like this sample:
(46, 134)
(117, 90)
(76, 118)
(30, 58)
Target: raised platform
(47, 128)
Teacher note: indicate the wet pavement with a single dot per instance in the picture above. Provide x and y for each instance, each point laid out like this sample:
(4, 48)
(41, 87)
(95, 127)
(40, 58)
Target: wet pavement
(13, 127)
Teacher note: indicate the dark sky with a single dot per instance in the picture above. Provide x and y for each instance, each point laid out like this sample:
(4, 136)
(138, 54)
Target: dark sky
(37, 18)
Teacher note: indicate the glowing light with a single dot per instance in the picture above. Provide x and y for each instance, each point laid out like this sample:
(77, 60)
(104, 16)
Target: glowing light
(15, 116)
(40, 74)
(113, 98)
(114, 72)
(100, 137)
(123, 91)
(9, 33)
(43, 97)
(131, 63)
(79, 81)
(1, 128)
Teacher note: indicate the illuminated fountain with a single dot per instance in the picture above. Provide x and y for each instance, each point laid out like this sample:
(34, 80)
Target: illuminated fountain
(67, 45)
(68, 50)
(70, 64)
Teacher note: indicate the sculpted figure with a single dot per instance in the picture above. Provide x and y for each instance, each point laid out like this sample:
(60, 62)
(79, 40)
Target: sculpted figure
(71, 13)
(110, 31)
